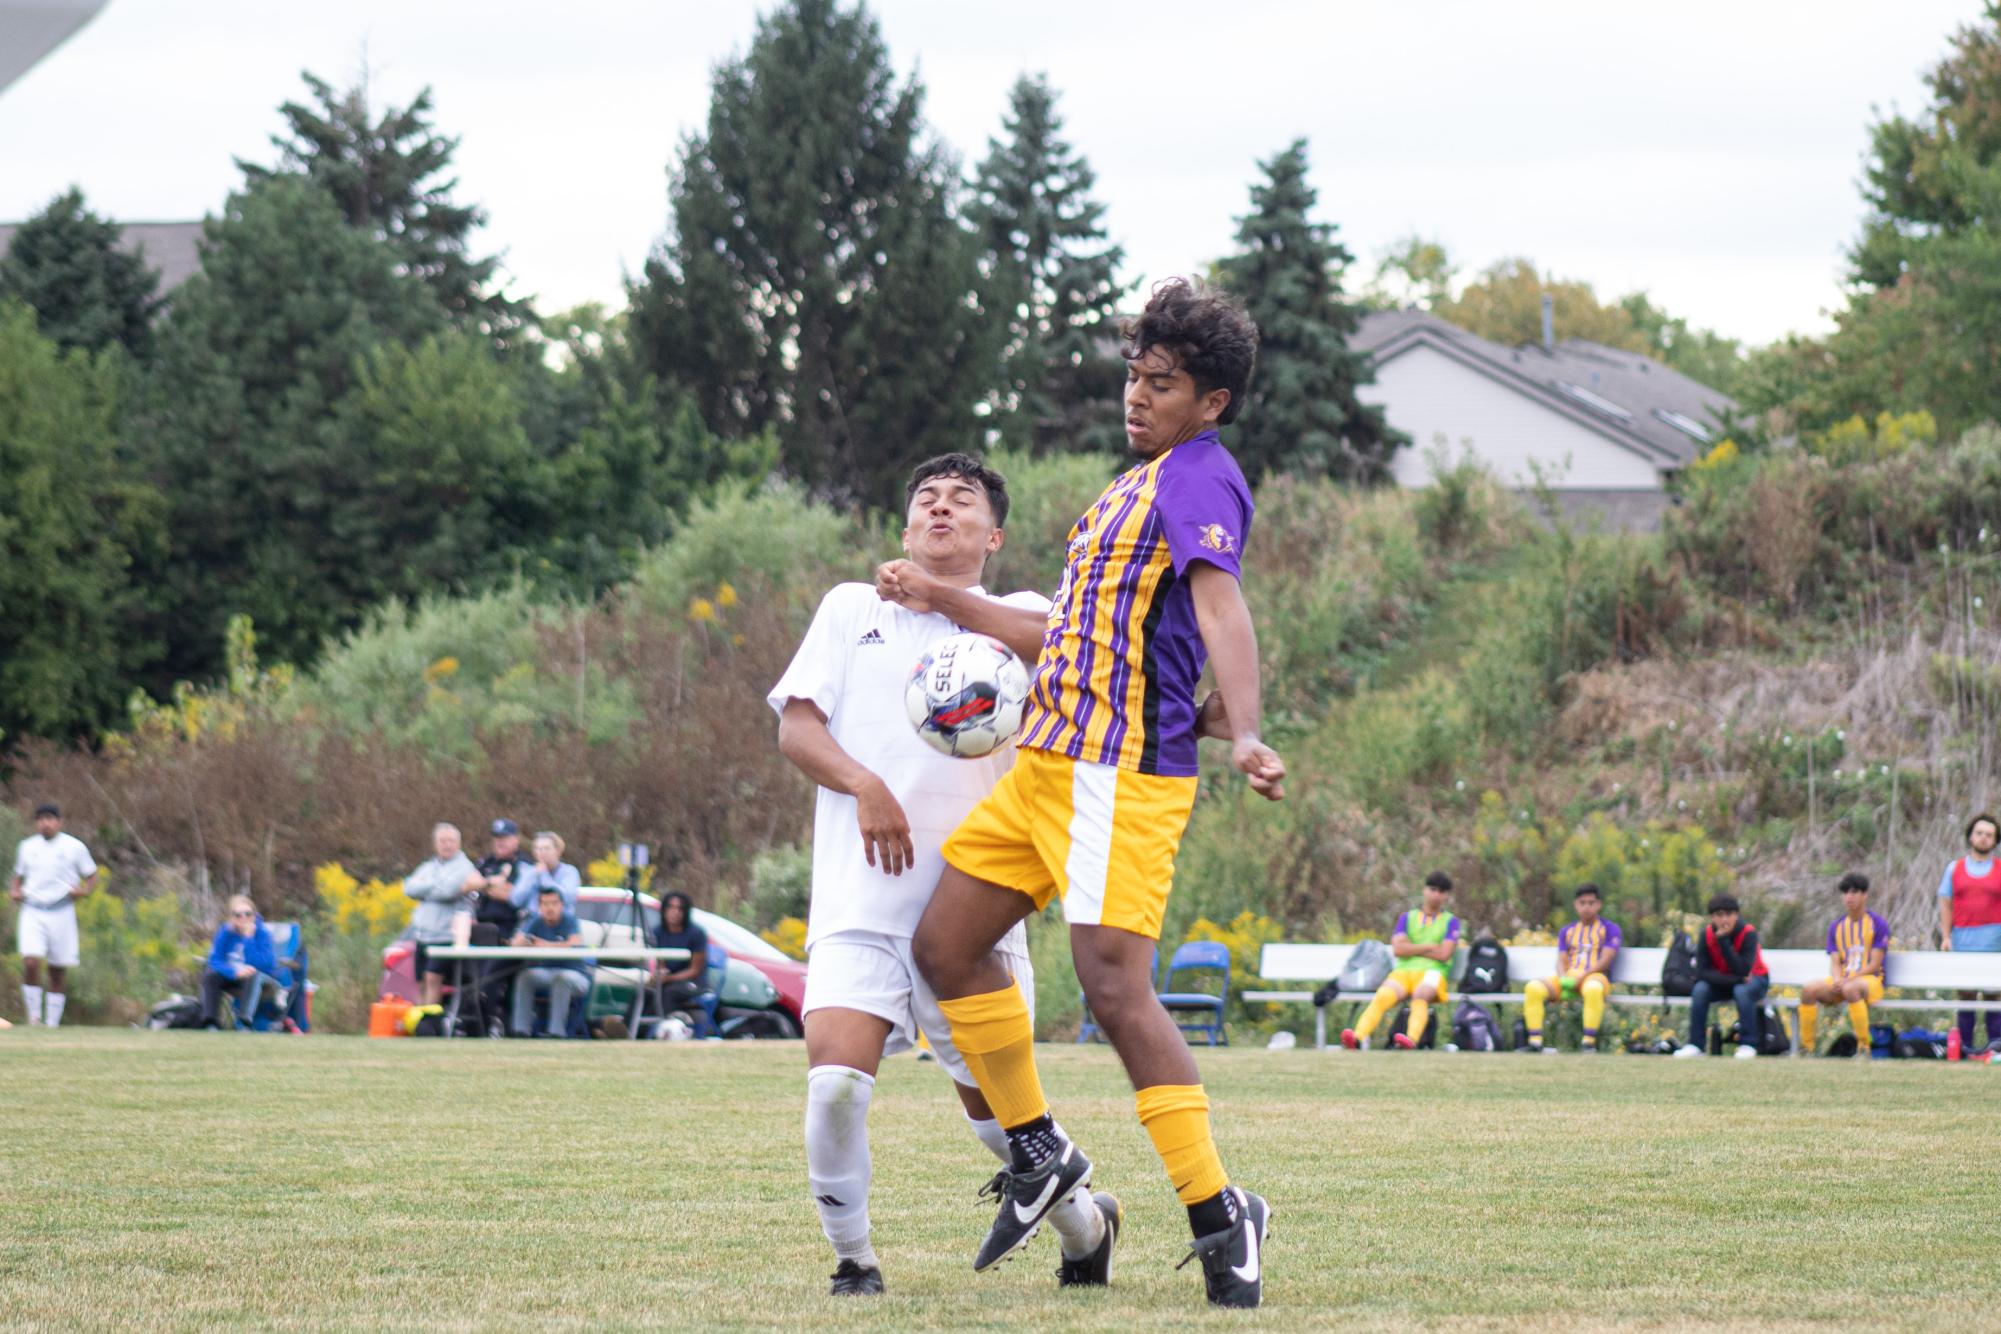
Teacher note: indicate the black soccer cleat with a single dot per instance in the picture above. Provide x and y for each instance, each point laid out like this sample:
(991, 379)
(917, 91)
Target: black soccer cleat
(1233, 1259)
(1095, 1269)
(853, 1280)
(1025, 1201)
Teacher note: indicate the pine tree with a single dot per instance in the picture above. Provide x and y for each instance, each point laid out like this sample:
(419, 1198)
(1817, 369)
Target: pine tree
(1302, 414)
(65, 263)
(817, 281)
(1052, 275)
(388, 175)
(240, 427)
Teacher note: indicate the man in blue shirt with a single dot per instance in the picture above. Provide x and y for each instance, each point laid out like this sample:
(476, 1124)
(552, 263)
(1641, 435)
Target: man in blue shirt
(552, 926)
(242, 962)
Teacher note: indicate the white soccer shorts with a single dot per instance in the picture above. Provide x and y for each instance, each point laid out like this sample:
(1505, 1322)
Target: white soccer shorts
(874, 973)
(48, 933)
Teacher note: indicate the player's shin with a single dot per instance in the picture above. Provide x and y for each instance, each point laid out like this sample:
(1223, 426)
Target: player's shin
(1594, 1003)
(1176, 1118)
(837, 1158)
(1385, 997)
(52, 1008)
(1810, 1027)
(997, 1041)
(31, 997)
(1534, 997)
(1420, 1015)
(1858, 1019)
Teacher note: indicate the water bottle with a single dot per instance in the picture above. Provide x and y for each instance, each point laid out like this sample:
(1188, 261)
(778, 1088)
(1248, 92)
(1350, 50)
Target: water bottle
(1952, 1044)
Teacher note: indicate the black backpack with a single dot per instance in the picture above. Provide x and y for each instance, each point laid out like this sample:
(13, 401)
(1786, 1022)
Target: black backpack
(1773, 1039)
(1426, 1040)
(1679, 973)
(1920, 1044)
(1486, 967)
(177, 1011)
(1474, 1029)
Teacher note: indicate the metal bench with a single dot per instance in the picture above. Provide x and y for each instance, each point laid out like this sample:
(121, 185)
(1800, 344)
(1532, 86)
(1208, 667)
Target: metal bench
(1916, 970)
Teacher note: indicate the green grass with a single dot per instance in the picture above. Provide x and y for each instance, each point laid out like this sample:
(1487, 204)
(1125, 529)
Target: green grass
(195, 1179)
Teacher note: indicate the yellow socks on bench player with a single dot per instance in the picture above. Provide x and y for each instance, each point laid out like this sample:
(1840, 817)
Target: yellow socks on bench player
(994, 1035)
(1594, 990)
(1386, 996)
(1809, 1026)
(1176, 1116)
(1534, 996)
(1420, 1014)
(1858, 1019)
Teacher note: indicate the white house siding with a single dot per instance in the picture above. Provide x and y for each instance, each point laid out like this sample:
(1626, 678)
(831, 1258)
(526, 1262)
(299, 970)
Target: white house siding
(1426, 394)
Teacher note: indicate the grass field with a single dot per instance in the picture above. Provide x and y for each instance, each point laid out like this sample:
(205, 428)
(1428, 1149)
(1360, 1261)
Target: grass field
(188, 1179)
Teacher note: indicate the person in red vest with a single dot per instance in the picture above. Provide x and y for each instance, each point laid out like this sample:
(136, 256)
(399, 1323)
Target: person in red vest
(1969, 913)
(1733, 968)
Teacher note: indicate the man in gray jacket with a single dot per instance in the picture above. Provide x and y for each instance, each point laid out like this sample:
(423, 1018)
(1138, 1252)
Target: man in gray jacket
(440, 886)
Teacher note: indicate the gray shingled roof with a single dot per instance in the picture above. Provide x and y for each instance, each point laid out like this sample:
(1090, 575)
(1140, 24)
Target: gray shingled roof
(1634, 394)
(173, 248)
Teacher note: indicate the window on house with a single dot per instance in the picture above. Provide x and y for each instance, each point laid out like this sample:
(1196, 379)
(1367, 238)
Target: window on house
(1687, 425)
(1594, 401)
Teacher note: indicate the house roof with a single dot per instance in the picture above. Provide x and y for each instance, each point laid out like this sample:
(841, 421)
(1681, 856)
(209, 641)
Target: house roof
(1630, 399)
(173, 248)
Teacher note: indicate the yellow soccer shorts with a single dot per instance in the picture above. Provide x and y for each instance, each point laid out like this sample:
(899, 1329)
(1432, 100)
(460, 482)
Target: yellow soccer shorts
(1101, 837)
(1409, 978)
(1875, 992)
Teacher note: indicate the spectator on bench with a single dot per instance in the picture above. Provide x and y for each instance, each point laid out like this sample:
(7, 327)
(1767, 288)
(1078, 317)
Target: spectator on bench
(1969, 913)
(440, 887)
(681, 984)
(1733, 968)
(548, 870)
(553, 927)
(1856, 944)
(243, 962)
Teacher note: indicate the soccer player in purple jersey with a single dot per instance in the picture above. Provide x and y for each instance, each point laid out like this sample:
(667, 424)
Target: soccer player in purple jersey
(1105, 778)
(1857, 943)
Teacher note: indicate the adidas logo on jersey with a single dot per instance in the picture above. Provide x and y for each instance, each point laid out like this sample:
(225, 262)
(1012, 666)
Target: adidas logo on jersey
(872, 637)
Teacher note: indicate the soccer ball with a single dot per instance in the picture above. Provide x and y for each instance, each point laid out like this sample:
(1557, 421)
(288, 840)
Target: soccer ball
(966, 695)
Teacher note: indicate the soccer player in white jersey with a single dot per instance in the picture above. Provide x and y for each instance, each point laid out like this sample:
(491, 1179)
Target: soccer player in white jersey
(52, 870)
(886, 802)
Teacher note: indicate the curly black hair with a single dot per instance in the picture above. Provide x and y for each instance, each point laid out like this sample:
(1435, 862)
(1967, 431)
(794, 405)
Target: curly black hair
(970, 469)
(1440, 881)
(1853, 880)
(1208, 333)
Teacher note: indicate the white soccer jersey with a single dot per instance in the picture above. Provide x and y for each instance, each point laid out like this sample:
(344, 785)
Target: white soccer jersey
(853, 666)
(51, 867)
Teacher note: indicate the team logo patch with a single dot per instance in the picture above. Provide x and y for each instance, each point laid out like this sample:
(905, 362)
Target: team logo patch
(872, 637)
(1215, 539)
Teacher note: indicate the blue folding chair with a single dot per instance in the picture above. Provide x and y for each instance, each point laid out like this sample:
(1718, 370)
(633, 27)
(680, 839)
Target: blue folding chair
(1087, 1027)
(1194, 962)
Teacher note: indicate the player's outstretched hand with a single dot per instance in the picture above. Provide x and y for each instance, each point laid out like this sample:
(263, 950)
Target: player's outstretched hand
(902, 582)
(885, 829)
(1261, 764)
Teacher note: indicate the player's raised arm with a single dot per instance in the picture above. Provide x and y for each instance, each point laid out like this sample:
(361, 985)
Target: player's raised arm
(1232, 641)
(1021, 629)
(803, 738)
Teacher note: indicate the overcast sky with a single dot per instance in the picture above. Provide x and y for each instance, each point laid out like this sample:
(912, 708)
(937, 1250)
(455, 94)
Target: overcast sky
(1705, 152)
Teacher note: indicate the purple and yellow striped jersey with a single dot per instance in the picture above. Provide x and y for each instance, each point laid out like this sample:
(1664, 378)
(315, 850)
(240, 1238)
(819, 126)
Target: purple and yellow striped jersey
(1588, 945)
(1122, 653)
(1852, 939)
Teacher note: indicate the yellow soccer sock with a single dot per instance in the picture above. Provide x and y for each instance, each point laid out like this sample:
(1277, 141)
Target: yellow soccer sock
(1858, 1018)
(1534, 996)
(1809, 1026)
(1420, 1012)
(1594, 989)
(1176, 1117)
(1386, 996)
(994, 1035)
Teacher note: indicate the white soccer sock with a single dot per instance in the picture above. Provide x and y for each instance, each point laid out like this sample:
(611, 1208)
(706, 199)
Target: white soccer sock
(993, 1137)
(837, 1158)
(52, 1007)
(32, 998)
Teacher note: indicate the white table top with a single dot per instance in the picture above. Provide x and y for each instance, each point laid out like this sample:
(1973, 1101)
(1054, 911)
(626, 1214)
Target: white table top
(557, 953)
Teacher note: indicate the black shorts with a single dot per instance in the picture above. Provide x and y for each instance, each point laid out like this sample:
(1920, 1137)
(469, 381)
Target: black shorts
(426, 964)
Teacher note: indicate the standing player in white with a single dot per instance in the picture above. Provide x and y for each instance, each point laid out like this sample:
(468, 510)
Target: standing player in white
(52, 870)
(886, 803)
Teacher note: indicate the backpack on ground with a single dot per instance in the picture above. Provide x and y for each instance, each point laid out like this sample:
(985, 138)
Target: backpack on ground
(1486, 967)
(1773, 1039)
(1427, 1039)
(1368, 964)
(1920, 1044)
(1474, 1029)
(177, 1011)
(1842, 1046)
(1679, 972)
